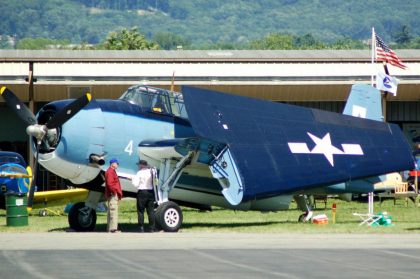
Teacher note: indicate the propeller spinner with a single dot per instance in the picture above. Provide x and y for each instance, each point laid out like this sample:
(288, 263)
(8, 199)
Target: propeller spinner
(40, 130)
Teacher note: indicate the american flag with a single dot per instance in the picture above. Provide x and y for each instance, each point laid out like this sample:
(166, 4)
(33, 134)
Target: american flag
(384, 53)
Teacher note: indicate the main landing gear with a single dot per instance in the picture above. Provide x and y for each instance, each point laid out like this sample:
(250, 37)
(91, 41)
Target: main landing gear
(305, 217)
(303, 204)
(82, 218)
(168, 216)
(82, 215)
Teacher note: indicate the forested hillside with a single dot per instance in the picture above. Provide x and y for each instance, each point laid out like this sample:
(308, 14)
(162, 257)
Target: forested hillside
(204, 22)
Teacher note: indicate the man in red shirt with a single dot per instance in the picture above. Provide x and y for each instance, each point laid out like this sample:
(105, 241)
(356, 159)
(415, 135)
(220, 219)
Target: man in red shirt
(113, 194)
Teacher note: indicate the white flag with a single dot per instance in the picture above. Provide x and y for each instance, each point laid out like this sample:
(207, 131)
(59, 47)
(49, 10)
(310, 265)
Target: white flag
(386, 83)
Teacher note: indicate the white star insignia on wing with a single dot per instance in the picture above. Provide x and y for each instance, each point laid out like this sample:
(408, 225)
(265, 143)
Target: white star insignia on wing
(325, 147)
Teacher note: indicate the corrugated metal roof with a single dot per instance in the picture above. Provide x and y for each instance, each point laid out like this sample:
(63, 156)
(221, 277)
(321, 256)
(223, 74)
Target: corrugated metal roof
(407, 55)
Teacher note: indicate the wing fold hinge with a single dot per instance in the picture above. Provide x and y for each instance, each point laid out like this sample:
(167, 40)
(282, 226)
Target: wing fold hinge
(224, 169)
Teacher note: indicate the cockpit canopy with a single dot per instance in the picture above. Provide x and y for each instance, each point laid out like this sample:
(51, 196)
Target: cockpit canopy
(156, 100)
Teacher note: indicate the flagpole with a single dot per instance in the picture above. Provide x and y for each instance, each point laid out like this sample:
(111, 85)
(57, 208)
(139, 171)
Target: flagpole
(373, 51)
(386, 68)
(373, 44)
(387, 83)
(173, 82)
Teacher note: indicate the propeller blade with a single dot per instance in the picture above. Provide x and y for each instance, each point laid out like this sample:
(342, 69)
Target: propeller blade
(33, 182)
(17, 106)
(68, 112)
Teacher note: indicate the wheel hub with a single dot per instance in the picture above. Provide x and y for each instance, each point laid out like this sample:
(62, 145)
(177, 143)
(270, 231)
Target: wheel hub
(171, 217)
(85, 219)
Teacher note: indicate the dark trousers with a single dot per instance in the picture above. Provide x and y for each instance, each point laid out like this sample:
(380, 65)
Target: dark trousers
(146, 200)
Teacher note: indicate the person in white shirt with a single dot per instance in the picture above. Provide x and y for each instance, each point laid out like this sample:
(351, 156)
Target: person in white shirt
(143, 181)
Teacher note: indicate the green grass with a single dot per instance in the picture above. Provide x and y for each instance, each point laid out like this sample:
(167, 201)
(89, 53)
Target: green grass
(404, 219)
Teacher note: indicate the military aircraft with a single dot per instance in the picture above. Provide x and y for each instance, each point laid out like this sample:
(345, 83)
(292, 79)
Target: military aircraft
(213, 148)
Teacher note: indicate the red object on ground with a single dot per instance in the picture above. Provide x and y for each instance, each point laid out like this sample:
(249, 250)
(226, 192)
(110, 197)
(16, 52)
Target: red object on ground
(415, 172)
(320, 221)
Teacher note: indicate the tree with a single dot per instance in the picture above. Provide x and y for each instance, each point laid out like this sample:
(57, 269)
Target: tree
(40, 43)
(5, 42)
(403, 36)
(274, 41)
(307, 42)
(170, 41)
(128, 40)
(178, 13)
(287, 41)
(348, 43)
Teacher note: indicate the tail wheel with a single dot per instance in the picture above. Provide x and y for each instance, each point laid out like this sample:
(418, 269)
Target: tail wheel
(82, 218)
(42, 213)
(169, 217)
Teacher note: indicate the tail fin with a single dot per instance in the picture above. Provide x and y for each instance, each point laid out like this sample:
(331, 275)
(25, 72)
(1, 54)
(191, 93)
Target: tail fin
(365, 102)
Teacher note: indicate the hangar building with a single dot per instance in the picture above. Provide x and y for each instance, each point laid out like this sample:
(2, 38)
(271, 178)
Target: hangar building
(313, 78)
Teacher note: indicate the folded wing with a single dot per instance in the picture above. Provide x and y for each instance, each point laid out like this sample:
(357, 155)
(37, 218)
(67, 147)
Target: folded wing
(278, 148)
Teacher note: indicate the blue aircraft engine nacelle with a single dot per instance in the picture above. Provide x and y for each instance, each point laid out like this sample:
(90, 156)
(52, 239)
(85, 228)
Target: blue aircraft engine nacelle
(80, 142)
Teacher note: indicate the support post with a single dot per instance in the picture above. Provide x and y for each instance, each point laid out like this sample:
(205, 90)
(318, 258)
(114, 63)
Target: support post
(31, 104)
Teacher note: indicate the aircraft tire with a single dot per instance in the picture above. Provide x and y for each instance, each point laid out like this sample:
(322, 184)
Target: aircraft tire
(302, 218)
(157, 224)
(43, 213)
(79, 221)
(168, 217)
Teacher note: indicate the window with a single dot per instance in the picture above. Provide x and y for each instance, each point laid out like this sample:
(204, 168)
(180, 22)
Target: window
(156, 100)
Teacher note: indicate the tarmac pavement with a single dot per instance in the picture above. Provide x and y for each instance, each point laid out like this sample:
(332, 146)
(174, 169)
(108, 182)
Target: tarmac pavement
(208, 255)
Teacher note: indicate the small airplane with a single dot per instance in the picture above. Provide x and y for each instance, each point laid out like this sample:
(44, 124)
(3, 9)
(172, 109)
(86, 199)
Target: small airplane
(212, 148)
(16, 177)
